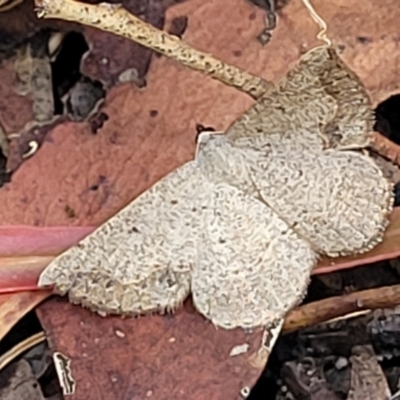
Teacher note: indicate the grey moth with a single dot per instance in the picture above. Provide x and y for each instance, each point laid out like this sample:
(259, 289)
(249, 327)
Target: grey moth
(242, 225)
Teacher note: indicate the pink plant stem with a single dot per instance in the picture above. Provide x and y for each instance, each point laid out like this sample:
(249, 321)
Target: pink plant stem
(39, 241)
(18, 274)
(25, 251)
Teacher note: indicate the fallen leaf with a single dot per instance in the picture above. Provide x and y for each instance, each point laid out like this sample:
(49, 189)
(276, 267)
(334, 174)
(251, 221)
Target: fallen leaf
(27, 141)
(19, 382)
(368, 381)
(110, 59)
(161, 357)
(15, 109)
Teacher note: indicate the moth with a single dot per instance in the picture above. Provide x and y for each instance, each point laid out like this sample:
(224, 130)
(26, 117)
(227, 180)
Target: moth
(242, 225)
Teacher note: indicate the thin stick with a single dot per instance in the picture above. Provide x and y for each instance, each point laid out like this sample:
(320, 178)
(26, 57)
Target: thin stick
(333, 307)
(386, 148)
(115, 19)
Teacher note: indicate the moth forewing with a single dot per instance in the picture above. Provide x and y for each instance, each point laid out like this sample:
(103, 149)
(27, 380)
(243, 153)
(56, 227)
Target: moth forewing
(251, 267)
(141, 259)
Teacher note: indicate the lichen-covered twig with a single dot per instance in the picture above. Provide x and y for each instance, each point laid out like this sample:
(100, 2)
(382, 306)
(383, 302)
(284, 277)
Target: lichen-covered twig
(333, 307)
(115, 19)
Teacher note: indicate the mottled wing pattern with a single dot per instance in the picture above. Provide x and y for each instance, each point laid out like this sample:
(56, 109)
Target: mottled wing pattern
(354, 118)
(339, 201)
(251, 267)
(241, 225)
(140, 260)
(319, 104)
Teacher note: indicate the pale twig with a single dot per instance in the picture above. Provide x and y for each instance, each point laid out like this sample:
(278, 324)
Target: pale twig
(115, 19)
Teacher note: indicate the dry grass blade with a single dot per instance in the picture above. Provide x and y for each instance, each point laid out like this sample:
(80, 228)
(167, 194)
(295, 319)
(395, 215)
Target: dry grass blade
(14, 306)
(20, 348)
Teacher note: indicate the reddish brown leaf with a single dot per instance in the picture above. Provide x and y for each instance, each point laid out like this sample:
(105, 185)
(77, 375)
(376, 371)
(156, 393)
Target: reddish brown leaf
(15, 110)
(180, 357)
(20, 144)
(113, 59)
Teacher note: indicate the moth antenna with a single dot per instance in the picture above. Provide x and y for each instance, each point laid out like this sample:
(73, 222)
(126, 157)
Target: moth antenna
(322, 35)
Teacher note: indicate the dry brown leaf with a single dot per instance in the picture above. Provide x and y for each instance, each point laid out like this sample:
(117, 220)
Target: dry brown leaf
(112, 59)
(109, 59)
(368, 381)
(158, 357)
(15, 110)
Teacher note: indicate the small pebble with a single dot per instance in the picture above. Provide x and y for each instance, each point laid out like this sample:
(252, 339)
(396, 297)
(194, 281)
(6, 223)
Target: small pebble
(119, 333)
(341, 363)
